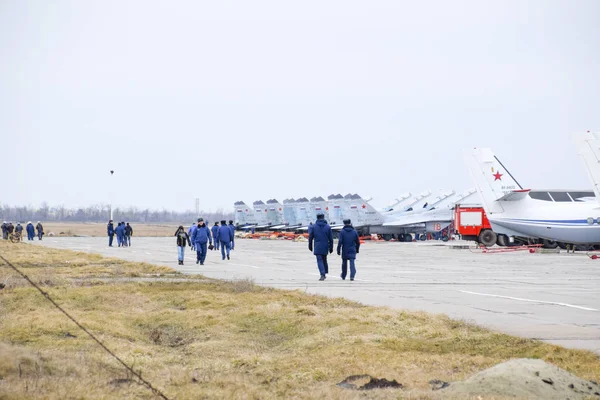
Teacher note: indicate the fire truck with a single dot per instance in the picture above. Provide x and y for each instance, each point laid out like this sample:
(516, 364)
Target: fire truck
(472, 224)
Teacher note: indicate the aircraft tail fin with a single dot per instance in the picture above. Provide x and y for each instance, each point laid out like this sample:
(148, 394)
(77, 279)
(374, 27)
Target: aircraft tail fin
(588, 148)
(492, 180)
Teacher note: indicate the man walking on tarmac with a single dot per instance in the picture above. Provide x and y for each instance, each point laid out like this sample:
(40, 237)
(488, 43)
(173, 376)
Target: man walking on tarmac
(323, 243)
(232, 229)
(201, 237)
(348, 246)
(215, 231)
(110, 230)
(225, 236)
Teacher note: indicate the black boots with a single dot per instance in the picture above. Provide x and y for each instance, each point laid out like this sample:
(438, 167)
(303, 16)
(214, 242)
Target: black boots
(322, 278)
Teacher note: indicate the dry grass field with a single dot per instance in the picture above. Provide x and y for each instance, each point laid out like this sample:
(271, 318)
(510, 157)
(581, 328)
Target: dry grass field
(96, 229)
(200, 338)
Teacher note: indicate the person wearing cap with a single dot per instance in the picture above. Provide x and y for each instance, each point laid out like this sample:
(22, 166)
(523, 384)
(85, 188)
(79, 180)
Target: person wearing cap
(348, 247)
(183, 239)
(225, 237)
(30, 231)
(110, 230)
(201, 237)
(232, 229)
(40, 230)
(323, 244)
(215, 230)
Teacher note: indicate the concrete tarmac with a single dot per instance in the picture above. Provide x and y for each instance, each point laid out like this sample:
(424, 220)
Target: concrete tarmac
(550, 297)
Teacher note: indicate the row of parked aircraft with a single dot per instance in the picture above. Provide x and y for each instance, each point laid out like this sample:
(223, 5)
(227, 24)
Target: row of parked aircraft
(408, 215)
(558, 217)
(516, 215)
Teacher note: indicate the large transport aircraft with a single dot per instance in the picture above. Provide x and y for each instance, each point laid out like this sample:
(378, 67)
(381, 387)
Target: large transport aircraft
(558, 217)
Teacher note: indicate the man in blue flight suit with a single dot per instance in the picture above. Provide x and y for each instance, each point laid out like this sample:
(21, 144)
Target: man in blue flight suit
(119, 232)
(214, 231)
(323, 240)
(30, 231)
(232, 229)
(225, 236)
(191, 232)
(200, 238)
(110, 229)
(348, 246)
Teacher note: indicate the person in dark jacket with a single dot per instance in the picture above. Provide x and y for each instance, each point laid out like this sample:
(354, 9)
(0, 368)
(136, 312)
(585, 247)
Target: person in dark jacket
(310, 228)
(215, 230)
(30, 231)
(183, 239)
(128, 234)
(191, 233)
(10, 228)
(232, 229)
(225, 236)
(110, 230)
(40, 230)
(4, 230)
(119, 232)
(201, 237)
(348, 247)
(323, 244)
(19, 230)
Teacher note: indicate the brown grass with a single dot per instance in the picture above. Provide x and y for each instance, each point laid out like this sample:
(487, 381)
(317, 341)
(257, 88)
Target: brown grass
(99, 229)
(219, 339)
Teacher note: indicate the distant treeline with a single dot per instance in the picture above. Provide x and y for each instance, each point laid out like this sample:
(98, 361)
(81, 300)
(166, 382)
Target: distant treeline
(101, 212)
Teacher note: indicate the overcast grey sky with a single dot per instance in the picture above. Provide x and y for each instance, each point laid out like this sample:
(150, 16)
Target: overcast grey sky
(248, 100)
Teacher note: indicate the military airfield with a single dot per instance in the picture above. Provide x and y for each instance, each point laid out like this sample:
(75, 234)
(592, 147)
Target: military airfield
(551, 297)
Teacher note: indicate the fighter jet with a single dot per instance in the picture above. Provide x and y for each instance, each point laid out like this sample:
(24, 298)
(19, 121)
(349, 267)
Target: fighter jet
(275, 214)
(318, 205)
(556, 216)
(260, 213)
(244, 216)
(397, 203)
(417, 202)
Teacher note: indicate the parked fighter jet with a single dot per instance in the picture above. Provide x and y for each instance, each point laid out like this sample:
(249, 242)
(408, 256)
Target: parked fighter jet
(558, 216)
(275, 214)
(260, 213)
(397, 203)
(318, 205)
(417, 202)
(438, 217)
(244, 216)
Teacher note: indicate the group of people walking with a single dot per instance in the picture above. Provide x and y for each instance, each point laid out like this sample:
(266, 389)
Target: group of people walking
(348, 246)
(8, 228)
(123, 231)
(200, 238)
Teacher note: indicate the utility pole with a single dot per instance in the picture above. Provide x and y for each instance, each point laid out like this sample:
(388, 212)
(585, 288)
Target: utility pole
(111, 192)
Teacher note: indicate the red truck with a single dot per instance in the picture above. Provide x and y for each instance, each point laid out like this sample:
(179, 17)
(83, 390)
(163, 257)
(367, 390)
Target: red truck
(472, 224)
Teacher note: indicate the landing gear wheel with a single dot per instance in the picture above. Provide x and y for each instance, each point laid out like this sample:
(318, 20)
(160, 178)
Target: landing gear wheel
(387, 237)
(488, 238)
(423, 238)
(401, 237)
(562, 245)
(502, 241)
(549, 244)
(408, 237)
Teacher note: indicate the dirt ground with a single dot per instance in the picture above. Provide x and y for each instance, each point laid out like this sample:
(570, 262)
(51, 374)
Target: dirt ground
(99, 229)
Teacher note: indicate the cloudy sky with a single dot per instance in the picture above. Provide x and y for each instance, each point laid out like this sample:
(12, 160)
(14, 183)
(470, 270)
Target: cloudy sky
(248, 100)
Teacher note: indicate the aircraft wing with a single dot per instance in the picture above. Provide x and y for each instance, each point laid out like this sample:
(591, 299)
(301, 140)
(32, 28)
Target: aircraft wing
(515, 195)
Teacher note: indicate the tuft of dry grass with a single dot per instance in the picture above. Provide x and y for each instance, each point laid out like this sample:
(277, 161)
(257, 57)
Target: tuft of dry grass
(217, 339)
